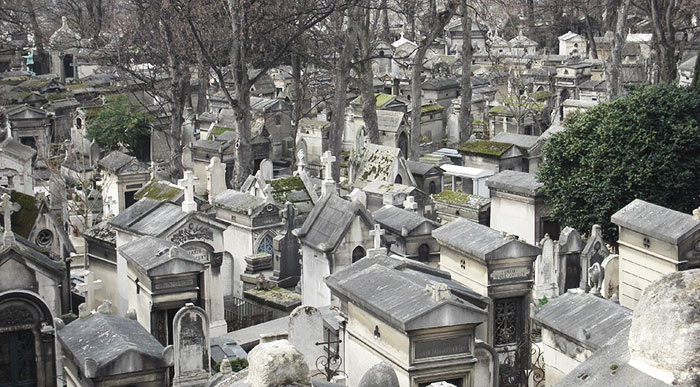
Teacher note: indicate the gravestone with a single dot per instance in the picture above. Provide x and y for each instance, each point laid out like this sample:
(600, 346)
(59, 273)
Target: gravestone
(216, 178)
(376, 234)
(358, 195)
(595, 278)
(277, 363)
(188, 183)
(305, 330)
(595, 251)
(191, 342)
(569, 266)
(89, 286)
(94, 153)
(286, 267)
(266, 169)
(546, 281)
(328, 184)
(611, 278)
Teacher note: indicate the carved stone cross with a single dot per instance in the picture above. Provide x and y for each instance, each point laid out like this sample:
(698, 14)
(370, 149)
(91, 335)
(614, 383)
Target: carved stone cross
(8, 208)
(410, 204)
(328, 159)
(188, 205)
(89, 286)
(377, 234)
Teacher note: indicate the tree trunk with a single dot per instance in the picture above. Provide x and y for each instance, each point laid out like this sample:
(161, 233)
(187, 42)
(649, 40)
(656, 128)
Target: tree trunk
(203, 75)
(661, 15)
(340, 99)
(436, 27)
(366, 76)
(179, 84)
(612, 69)
(465, 107)
(696, 73)
(386, 32)
(297, 101)
(591, 38)
(242, 157)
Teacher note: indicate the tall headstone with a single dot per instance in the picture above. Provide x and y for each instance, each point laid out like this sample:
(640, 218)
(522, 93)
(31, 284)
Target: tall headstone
(89, 286)
(610, 288)
(94, 153)
(286, 267)
(595, 251)
(8, 208)
(569, 265)
(546, 281)
(266, 169)
(305, 330)
(191, 342)
(188, 183)
(328, 184)
(376, 234)
(216, 178)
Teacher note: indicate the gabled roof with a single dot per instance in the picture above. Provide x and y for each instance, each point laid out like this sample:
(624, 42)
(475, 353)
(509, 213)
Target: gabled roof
(121, 163)
(329, 221)
(521, 140)
(659, 222)
(482, 242)
(689, 64)
(440, 84)
(382, 187)
(396, 219)
(389, 121)
(516, 182)
(376, 163)
(571, 35)
(236, 201)
(108, 340)
(398, 293)
(155, 256)
(16, 149)
(485, 148)
(422, 169)
(149, 217)
(26, 112)
(31, 251)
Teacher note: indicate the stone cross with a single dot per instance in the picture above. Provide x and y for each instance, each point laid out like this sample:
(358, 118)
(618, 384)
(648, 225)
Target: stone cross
(301, 155)
(8, 208)
(410, 204)
(188, 205)
(328, 159)
(153, 170)
(377, 234)
(89, 286)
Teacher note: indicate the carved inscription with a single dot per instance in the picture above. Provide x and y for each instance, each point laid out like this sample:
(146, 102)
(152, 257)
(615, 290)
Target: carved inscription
(443, 347)
(510, 274)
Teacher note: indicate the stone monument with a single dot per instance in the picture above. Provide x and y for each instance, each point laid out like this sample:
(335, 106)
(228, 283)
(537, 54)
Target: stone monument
(191, 339)
(595, 251)
(305, 330)
(546, 282)
(216, 178)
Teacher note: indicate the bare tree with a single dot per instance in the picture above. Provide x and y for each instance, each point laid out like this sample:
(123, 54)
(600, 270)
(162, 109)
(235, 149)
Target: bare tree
(365, 37)
(614, 62)
(465, 107)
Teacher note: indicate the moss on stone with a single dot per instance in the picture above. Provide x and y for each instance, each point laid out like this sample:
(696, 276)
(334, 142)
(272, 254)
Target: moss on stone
(219, 130)
(433, 107)
(485, 147)
(453, 197)
(276, 295)
(158, 190)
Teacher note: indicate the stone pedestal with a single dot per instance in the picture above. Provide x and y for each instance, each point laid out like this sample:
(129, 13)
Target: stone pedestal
(258, 262)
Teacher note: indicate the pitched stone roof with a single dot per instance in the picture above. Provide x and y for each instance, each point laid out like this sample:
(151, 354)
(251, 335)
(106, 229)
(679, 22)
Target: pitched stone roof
(117, 162)
(389, 121)
(659, 222)
(516, 182)
(439, 84)
(591, 320)
(485, 148)
(482, 241)
(149, 217)
(328, 222)
(422, 169)
(395, 291)
(522, 140)
(149, 254)
(376, 162)
(395, 219)
(237, 201)
(16, 149)
(110, 341)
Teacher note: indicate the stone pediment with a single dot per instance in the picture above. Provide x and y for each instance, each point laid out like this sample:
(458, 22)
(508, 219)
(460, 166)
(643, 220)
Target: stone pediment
(134, 167)
(26, 113)
(192, 230)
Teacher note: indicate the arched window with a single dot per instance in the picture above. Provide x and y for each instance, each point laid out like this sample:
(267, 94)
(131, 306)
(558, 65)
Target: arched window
(358, 253)
(424, 252)
(398, 179)
(265, 245)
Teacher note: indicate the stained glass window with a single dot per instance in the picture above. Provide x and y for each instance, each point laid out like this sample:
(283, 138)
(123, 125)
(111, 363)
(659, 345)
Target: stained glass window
(265, 245)
(506, 320)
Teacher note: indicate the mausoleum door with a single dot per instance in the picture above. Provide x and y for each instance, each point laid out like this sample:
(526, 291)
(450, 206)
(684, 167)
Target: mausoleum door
(573, 272)
(17, 359)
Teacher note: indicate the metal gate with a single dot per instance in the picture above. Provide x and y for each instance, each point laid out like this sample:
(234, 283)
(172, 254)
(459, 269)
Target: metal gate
(240, 313)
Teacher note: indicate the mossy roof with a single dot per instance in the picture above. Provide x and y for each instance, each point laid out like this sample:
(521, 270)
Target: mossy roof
(158, 190)
(23, 220)
(218, 130)
(458, 197)
(380, 97)
(275, 295)
(433, 107)
(541, 95)
(485, 147)
(498, 110)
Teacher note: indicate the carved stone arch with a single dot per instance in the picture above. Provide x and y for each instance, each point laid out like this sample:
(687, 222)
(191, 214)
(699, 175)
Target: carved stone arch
(263, 242)
(25, 319)
(202, 251)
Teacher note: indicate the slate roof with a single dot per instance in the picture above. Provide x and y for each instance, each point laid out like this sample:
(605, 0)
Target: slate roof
(28, 249)
(149, 217)
(659, 222)
(395, 291)
(522, 140)
(389, 121)
(395, 219)
(382, 187)
(595, 371)
(689, 64)
(327, 223)
(115, 160)
(485, 148)
(482, 242)
(376, 163)
(440, 84)
(570, 35)
(105, 339)
(103, 232)
(149, 253)
(516, 182)
(591, 320)
(237, 201)
(422, 169)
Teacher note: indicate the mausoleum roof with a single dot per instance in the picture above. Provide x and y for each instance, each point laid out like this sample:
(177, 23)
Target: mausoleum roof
(522, 140)
(16, 149)
(516, 182)
(108, 340)
(586, 318)
(237, 201)
(482, 242)
(149, 253)
(656, 221)
(395, 219)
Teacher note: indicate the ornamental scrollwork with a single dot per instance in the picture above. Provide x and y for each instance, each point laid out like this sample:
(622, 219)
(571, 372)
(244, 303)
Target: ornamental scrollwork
(192, 232)
(15, 315)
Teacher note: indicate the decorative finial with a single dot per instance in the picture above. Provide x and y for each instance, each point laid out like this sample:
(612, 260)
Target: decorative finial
(8, 208)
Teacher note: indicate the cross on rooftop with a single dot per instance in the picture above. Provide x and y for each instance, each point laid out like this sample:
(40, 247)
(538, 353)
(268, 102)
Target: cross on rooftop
(328, 160)
(410, 204)
(89, 286)
(8, 208)
(188, 184)
(377, 233)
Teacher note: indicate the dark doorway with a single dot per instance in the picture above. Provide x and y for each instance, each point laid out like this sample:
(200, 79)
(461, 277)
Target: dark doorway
(573, 272)
(129, 199)
(358, 253)
(403, 144)
(68, 66)
(424, 252)
(398, 180)
(28, 141)
(432, 189)
(551, 227)
(17, 359)
(459, 382)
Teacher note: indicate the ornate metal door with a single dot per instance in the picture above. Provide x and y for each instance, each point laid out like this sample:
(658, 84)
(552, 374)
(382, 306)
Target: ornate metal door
(17, 359)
